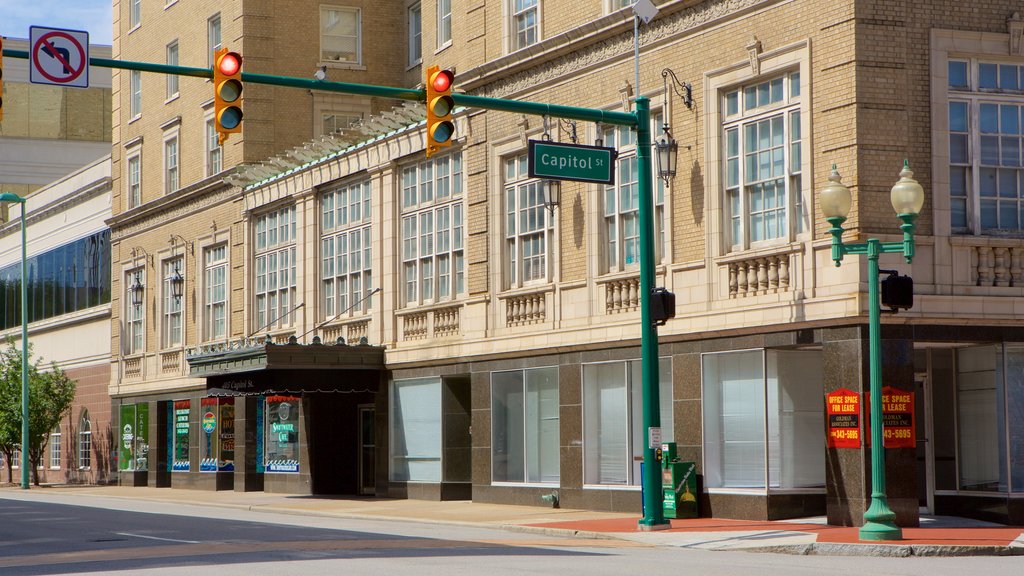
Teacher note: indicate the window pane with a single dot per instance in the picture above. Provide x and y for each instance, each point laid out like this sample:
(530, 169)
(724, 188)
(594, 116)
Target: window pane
(416, 430)
(989, 118)
(958, 116)
(1007, 77)
(957, 74)
(987, 76)
(734, 420)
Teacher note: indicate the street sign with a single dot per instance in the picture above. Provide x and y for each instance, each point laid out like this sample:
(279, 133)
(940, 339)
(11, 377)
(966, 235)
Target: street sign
(576, 162)
(59, 57)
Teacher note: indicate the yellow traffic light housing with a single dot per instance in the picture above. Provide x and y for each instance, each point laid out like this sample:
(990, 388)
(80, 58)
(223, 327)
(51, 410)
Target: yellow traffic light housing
(227, 86)
(440, 127)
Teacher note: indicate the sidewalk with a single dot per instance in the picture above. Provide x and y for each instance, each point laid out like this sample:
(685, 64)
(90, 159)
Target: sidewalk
(937, 536)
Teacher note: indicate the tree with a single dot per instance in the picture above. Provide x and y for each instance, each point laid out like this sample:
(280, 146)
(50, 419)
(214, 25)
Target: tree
(50, 396)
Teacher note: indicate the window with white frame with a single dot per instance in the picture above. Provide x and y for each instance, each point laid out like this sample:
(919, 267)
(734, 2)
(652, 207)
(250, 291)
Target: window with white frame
(613, 433)
(16, 457)
(84, 441)
(444, 23)
(763, 148)
(621, 202)
(763, 419)
(416, 430)
(213, 37)
(525, 23)
(171, 164)
(524, 426)
(414, 16)
(134, 314)
(340, 35)
(529, 228)
(134, 191)
(214, 152)
(171, 336)
(135, 93)
(986, 168)
(433, 260)
(172, 60)
(335, 121)
(275, 268)
(55, 449)
(135, 13)
(345, 249)
(215, 294)
(614, 5)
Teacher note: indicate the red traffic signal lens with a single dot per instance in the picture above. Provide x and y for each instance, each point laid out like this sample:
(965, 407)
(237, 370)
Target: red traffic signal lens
(442, 81)
(230, 63)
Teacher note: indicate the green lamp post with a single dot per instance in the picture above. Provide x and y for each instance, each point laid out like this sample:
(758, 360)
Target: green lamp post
(907, 198)
(14, 198)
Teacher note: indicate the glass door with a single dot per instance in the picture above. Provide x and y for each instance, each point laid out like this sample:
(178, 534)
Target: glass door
(925, 448)
(367, 451)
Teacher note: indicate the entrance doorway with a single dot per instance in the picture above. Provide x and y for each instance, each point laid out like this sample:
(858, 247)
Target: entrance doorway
(367, 450)
(925, 447)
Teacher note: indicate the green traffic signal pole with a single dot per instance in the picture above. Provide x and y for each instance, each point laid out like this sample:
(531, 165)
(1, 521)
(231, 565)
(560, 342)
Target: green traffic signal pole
(14, 198)
(639, 120)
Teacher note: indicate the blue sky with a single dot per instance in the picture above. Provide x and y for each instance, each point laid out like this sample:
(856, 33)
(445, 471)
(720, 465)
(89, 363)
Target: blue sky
(93, 16)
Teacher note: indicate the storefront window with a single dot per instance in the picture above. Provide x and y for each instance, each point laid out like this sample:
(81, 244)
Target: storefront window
(763, 409)
(524, 429)
(226, 434)
(180, 439)
(282, 434)
(613, 429)
(416, 430)
(208, 463)
(981, 419)
(134, 446)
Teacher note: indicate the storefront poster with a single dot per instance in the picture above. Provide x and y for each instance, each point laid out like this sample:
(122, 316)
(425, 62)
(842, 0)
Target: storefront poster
(182, 412)
(208, 463)
(282, 434)
(897, 418)
(133, 448)
(843, 409)
(226, 458)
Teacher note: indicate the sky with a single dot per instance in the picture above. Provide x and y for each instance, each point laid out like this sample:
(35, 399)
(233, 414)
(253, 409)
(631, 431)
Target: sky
(93, 16)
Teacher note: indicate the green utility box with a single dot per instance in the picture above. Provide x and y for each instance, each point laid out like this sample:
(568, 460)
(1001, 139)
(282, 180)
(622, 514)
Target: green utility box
(678, 484)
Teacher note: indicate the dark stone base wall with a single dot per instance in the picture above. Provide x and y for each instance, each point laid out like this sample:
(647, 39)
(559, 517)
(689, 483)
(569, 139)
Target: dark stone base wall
(433, 491)
(995, 508)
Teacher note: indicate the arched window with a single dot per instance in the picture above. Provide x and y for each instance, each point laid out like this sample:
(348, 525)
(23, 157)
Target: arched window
(84, 442)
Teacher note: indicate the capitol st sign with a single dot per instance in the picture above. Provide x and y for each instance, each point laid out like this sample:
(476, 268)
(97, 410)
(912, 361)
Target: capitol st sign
(576, 162)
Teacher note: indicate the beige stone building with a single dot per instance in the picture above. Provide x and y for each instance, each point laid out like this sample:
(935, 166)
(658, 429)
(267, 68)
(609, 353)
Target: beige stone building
(501, 355)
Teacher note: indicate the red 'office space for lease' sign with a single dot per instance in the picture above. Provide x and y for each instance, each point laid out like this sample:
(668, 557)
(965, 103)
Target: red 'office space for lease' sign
(897, 418)
(843, 408)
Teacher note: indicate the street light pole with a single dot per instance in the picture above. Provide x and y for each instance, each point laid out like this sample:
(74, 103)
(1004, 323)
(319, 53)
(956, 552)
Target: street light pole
(907, 198)
(10, 197)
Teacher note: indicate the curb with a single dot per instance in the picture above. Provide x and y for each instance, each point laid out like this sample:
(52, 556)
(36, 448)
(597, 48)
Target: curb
(886, 550)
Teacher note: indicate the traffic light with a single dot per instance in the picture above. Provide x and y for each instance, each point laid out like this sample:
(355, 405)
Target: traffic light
(227, 86)
(897, 291)
(440, 104)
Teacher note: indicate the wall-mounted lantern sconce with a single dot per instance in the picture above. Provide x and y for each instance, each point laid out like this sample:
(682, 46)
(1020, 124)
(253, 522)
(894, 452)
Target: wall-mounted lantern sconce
(177, 282)
(666, 147)
(137, 290)
(552, 194)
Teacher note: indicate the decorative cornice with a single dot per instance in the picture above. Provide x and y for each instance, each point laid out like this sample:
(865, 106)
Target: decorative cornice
(188, 200)
(63, 204)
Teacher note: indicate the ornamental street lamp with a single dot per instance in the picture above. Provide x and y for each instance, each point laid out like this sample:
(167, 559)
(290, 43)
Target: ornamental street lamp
(907, 198)
(14, 198)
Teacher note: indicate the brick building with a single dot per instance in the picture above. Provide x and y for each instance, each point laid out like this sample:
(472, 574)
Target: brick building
(501, 355)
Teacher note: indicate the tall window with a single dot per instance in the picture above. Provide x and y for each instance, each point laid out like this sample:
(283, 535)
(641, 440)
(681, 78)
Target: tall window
(986, 101)
(171, 305)
(172, 60)
(135, 13)
(215, 297)
(528, 226)
(213, 40)
(525, 23)
(213, 149)
(444, 22)
(84, 441)
(622, 202)
(524, 426)
(135, 314)
(416, 430)
(433, 263)
(763, 419)
(55, 448)
(983, 399)
(170, 165)
(134, 181)
(16, 457)
(340, 34)
(763, 161)
(415, 17)
(275, 269)
(335, 122)
(613, 433)
(135, 92)
(345, 248)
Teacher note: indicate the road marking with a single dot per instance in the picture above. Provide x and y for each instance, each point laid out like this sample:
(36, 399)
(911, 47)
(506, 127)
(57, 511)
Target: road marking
(157, 538)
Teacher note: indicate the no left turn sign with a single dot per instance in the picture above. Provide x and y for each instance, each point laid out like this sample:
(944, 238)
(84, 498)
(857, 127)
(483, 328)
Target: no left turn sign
(59, 57)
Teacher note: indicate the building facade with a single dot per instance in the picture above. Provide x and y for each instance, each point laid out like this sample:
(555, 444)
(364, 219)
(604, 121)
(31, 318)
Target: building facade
(501, 352)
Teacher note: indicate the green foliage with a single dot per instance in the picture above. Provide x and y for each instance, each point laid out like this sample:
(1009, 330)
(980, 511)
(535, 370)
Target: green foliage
(50, 395)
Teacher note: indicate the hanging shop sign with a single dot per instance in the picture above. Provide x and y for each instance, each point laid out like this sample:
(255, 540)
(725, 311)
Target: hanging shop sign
(897, 418)
(843, 408)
